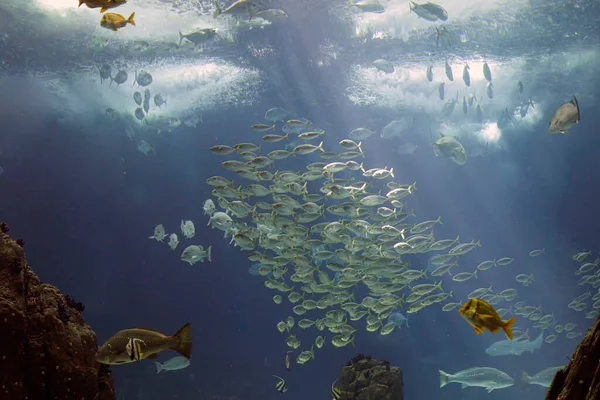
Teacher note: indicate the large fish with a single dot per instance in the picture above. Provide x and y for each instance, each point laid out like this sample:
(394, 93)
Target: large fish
(481, 316)
(543, 378)
(514, 347)
(565, 116)
(489, 378)
(136, 344)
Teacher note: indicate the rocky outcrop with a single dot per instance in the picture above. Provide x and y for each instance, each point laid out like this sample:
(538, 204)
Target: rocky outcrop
(580, 379)
(367, 379)
(46, 349)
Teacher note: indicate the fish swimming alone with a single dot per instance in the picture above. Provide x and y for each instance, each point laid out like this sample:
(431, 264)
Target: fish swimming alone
(136, 344)
(173, 364)
(481, 316)
(564, 117)
(116, 21)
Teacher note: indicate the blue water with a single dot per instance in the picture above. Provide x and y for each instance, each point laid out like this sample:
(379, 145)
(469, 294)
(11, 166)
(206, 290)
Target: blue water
(85, 200)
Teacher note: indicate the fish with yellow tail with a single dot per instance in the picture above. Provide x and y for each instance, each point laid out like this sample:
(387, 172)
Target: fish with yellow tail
(102, 4)
(136, 344)
(116, 21)
(481, 316)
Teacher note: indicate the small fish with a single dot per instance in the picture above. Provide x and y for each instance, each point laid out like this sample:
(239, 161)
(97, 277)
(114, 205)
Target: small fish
(490, 90)
(131, 345)
(198, 37)
(274, 138)
(112, 113)
(139, 114)
(430, 73)
(449, 73)
(565, 116)
(535, 253)
(481, 315)
(159, 100)
(116, 21)
(120, 77)
(487, 73)
(520, 87)
(137, 97)
(104, 72)
(173, 364)
(280, 385)
(262, 127)
(441, 90)
(466, 75)
(142, 78)
(287, 359)
(336, 393)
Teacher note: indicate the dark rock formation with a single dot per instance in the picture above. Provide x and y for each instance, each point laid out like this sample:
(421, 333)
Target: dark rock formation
(580, 379)
(367, 379)
(46, 349)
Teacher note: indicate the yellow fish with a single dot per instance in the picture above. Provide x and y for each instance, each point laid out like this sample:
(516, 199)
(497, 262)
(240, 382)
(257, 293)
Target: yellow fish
(104, 4)
(116, 21)
(481, 315)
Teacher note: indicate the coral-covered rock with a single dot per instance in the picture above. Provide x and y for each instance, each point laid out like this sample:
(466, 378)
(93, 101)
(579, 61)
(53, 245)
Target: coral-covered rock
(46, 349)
(367, 379)
(580, 379)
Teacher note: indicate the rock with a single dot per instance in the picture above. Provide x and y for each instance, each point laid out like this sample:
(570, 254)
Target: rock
(46, 349)
(580, 379)
(367, 379)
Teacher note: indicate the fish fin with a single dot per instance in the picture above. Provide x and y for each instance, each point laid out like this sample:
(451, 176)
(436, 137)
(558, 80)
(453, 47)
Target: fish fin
(444, 378)
(478, 330)
(494, 330)
(103, 9)
(489, 390)
(80, 3)
(114, 29)
(130, 19)
(577, 105)
(184, 342)
(508, 327)
(153, 355)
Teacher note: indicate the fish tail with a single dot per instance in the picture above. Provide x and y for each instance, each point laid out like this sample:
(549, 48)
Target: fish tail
(159, 367)
(180, 39)
(208, 252)
(184, 340)
(524, 377)
(81, 2)
(444, 378)
(508, 327)
(217, 10)
(130, 19)
(350, 3)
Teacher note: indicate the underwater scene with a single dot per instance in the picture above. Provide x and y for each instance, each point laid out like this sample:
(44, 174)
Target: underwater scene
(250, 198)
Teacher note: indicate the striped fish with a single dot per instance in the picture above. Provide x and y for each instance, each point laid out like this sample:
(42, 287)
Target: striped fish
(134, 349)
(336, 393)
(280, 385)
